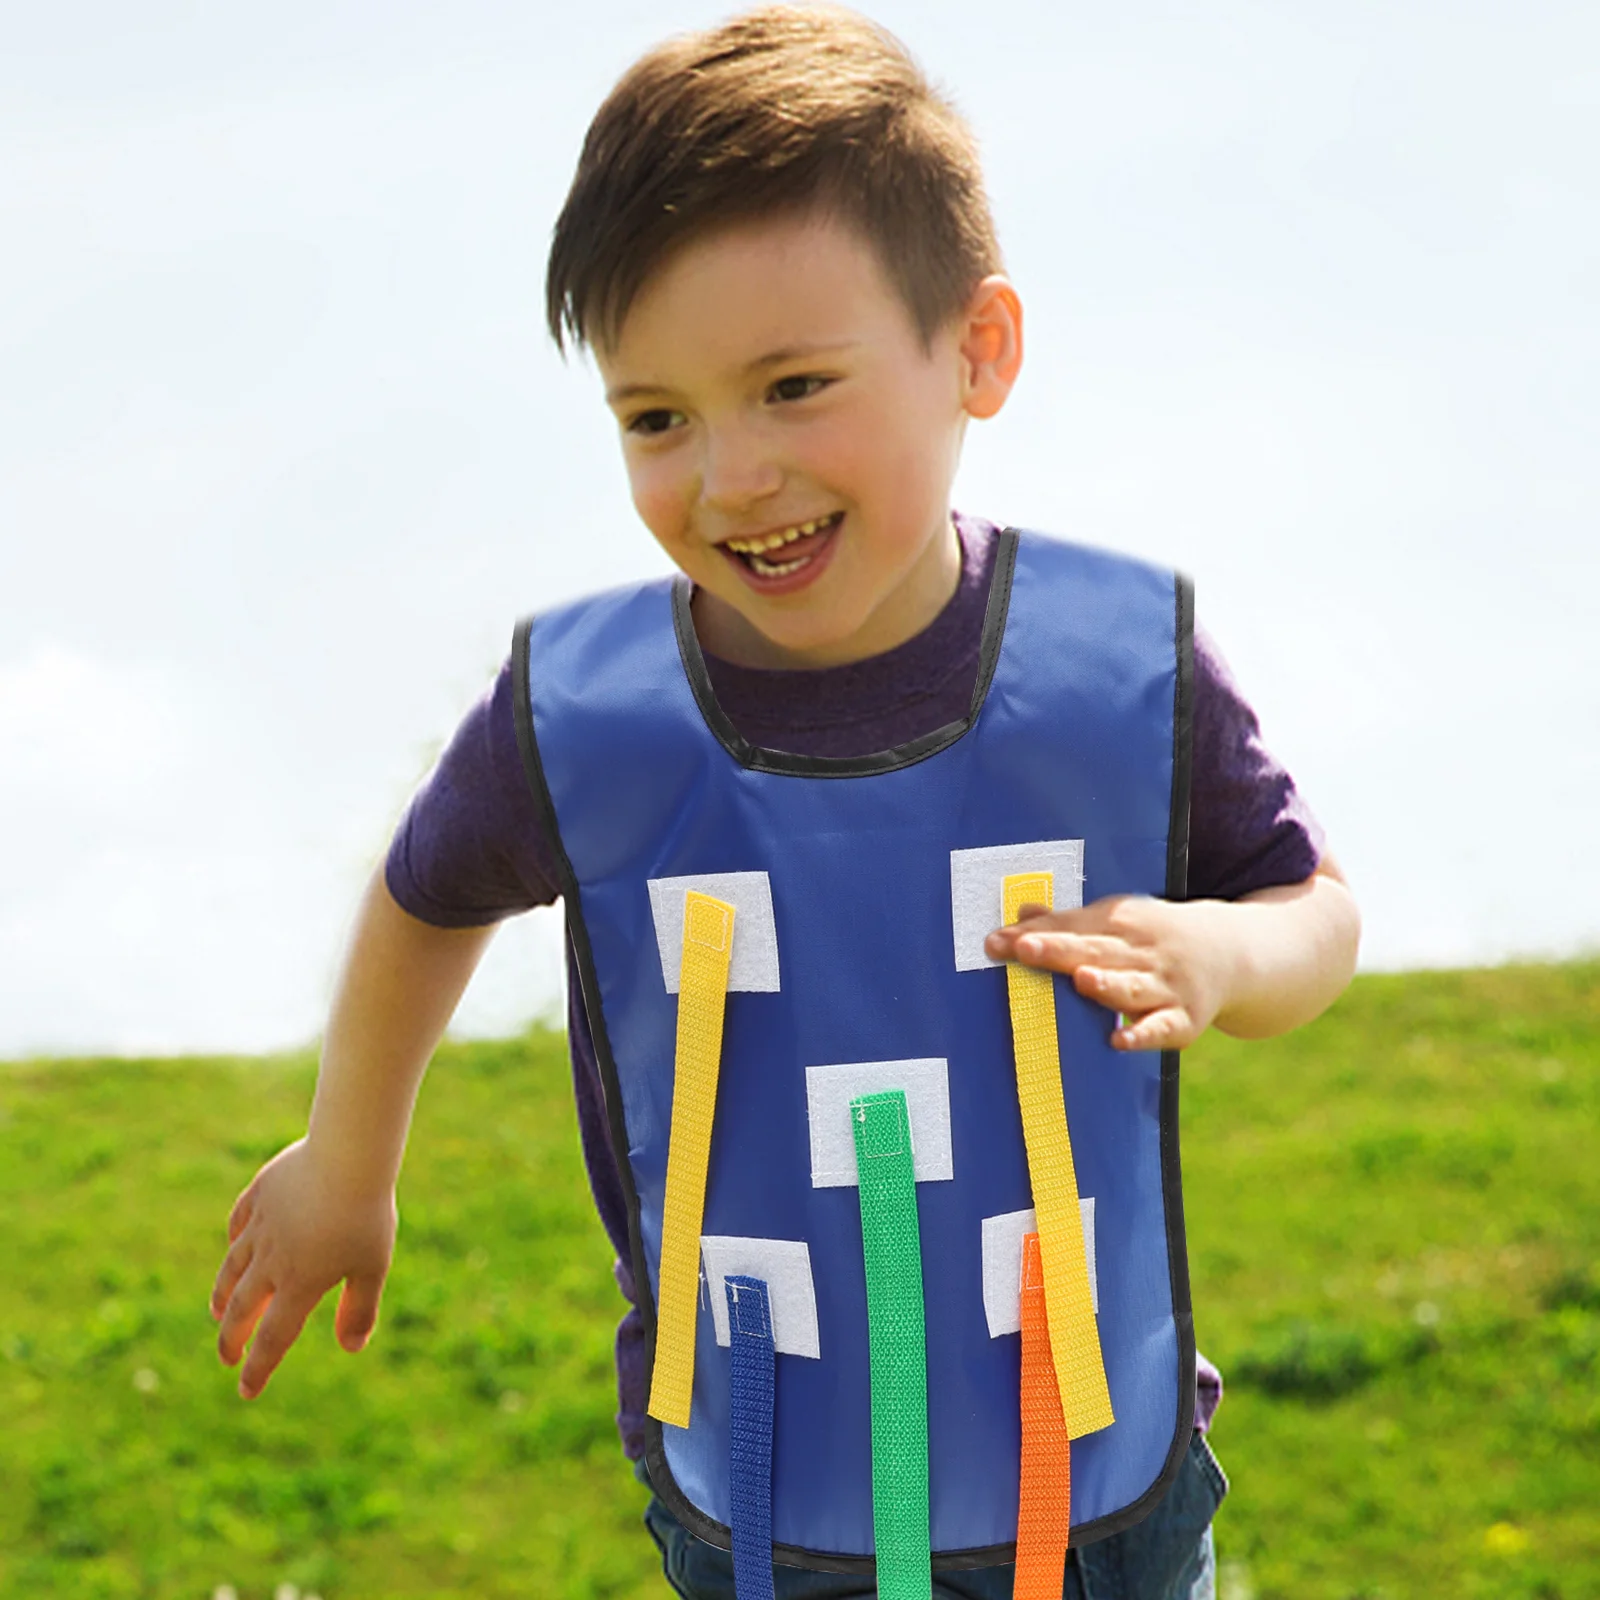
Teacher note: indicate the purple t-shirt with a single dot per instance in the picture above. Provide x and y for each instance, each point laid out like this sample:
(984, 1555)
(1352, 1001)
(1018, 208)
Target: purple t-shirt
(471, 848)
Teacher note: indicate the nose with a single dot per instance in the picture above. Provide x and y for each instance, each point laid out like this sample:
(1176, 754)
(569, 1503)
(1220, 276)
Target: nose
(738, 469)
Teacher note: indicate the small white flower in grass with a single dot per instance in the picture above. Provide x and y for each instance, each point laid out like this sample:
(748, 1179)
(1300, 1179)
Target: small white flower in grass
(146, 1380)
(224, 1591)
(511, 1402)
(286, 1591)
(1426, 1314)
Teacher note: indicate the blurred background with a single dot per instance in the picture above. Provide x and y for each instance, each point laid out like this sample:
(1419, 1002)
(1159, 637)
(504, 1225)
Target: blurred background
(285, 450)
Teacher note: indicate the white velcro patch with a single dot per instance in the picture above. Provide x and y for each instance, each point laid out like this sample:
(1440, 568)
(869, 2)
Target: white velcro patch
(1002, 1264)
(784, 1265)
(754, 964)
(829, 1091)
(977, 879)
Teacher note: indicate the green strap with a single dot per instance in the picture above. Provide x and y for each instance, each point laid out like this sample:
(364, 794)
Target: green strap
(898, 1343)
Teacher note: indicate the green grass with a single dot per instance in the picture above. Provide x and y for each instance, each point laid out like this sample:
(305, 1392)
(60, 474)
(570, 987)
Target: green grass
(1394, 1227)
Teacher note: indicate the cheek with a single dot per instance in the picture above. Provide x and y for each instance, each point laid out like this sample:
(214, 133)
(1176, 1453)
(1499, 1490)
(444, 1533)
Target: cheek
(883, 453)
(848, 455)
(902, 473)
(661, 490)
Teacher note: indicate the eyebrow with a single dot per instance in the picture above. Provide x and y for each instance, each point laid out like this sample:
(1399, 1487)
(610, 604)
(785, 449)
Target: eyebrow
(773, 358)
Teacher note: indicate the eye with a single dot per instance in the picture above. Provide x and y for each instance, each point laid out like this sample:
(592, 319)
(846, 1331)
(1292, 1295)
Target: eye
(799, 387)
(652, 422)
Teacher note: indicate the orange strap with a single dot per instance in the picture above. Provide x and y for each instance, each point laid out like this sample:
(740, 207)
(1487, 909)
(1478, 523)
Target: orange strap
(1044, 1511)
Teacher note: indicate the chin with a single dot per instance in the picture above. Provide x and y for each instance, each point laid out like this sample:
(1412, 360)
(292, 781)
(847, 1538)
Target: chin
(833, 648)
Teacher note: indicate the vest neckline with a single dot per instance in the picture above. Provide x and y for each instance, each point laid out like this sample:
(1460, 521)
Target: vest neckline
(786, 763)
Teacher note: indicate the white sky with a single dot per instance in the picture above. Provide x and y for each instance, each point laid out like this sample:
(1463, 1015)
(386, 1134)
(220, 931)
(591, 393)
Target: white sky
(1312, 295)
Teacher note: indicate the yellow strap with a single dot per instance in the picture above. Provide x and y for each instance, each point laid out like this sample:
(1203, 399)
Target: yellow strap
(702, 994)
(1074, 1334)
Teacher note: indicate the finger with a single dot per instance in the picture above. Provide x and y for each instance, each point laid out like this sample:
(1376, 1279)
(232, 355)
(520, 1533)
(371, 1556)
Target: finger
(1098, 916)
(1000, 945)
(280, 1327)
(229, 1273)
(1170, 1028)
(1128, 989)
(357, 1315)
(243, 1208)
(1066, 952)
(242, 1312)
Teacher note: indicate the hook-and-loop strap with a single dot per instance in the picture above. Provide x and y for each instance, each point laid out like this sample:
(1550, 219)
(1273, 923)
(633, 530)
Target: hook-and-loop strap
(897, 1345)
(1044, 1510)
(750, 1431)
(702, 996)
(1074, 1333)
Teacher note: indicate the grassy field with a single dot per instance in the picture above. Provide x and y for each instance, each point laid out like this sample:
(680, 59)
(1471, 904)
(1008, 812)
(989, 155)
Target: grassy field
(1394, 1226)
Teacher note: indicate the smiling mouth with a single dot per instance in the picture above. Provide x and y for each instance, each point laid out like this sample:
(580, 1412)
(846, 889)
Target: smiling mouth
(779, 555)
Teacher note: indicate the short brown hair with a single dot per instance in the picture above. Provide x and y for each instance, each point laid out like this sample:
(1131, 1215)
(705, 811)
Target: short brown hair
(779, 110)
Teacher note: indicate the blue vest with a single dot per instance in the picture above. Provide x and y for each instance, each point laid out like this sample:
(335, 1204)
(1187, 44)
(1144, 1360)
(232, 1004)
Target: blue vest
(1078, 731)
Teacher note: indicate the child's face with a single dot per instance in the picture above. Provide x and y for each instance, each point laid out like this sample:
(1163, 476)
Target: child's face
(790, 441)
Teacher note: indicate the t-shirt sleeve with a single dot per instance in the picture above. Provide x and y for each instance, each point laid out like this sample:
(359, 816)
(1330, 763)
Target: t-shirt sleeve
(471, 847)
(1249, 827)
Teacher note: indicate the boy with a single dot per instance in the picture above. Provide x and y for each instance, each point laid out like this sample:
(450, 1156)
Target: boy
(778, 249)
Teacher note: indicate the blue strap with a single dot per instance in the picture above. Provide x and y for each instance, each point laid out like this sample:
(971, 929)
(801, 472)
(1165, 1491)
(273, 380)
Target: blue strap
(750, 1463)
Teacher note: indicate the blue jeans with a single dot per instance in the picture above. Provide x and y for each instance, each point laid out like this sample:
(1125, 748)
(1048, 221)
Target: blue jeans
(1168, 1556)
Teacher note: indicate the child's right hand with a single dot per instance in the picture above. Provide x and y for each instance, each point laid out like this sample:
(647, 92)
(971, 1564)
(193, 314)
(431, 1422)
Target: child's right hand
(293, 1234)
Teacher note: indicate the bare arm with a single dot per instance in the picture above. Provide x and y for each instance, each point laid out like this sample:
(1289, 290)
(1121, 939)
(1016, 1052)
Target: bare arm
(1252, 967)
(1295, 954)
(322, 1211)
(396, 993)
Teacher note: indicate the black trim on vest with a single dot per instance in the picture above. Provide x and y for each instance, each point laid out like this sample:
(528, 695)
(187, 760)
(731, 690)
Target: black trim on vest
(1182, 744)
(1171, 1165)
(589, 982)
(777, 761)
(785, 762)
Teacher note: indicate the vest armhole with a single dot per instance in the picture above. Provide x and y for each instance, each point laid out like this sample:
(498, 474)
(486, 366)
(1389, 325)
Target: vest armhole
(528, 749)
(1182, 739)
(1171, 1161)
(589, 984)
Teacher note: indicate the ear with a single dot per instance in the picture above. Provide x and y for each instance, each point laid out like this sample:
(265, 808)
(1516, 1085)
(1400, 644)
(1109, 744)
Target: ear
(991, 345)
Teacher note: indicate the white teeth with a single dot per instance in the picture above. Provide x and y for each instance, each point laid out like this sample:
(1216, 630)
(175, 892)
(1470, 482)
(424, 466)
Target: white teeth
(776, 541)
(780, 569)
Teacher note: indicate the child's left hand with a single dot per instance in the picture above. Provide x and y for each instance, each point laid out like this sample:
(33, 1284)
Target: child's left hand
(1162, 965)
(1255, 966)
